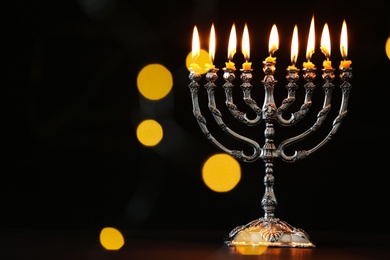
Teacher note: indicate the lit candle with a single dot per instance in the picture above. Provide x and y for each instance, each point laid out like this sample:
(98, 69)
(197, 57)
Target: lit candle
(273, 44)
(231, 48)
(294, 49)
(344, 47)
(325, 47)
(245, 49)
(211, 48)
(310, 46)
(195, 49)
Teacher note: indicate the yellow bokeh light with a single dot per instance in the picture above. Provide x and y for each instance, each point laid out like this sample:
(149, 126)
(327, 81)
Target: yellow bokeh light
(149, 132)
(221, 172)
(388, 48)
(154, 81)
(201, 60)
(111, 238)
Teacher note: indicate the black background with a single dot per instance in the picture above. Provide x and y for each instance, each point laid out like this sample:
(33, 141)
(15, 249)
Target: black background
(70, 107)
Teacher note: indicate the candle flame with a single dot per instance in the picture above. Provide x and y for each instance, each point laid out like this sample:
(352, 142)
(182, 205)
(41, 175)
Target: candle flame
(195, 44)
(325, 41)
(294, 45)
(212, 44)
(232, 43)
(273, 44)
(311, 40)
(344, 41)
(245, 43)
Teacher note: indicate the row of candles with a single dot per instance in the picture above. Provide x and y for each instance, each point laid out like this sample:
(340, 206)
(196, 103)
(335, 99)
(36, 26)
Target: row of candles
(272, 47)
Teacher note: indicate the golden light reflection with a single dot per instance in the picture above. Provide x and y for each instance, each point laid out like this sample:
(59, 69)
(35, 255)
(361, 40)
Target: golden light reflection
(149, 132)
(388, 47)
(111, 238)
(221, 172)
(250, 250)
(273, 252)
(154, 81)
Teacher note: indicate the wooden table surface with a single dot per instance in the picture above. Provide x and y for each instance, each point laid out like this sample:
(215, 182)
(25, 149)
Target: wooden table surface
(172, 245)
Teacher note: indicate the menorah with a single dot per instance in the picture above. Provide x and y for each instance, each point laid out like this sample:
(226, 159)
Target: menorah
(270, 230)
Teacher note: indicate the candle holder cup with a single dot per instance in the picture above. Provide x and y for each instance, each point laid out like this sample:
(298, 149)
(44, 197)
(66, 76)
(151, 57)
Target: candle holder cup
(269, 230)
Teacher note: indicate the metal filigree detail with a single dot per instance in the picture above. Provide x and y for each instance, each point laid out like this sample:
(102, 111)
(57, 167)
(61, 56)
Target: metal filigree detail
(200, 118)
(285, 104)
(271, 235)
(236, 114)
(301, 113)
(301, 155)
(236, 154)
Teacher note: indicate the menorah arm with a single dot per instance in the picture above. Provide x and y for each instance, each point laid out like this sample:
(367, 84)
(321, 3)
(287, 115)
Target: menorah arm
(218, 118)
(238, 154)
(346, 75)
(237, 114)
(291, 87)
(246, 87)
(295, 117)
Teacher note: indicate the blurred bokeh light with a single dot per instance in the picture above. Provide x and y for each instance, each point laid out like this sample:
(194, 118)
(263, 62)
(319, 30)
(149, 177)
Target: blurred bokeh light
(154, 81)
(201, 60)
(221, 172)
(111, 238)
(149, 132)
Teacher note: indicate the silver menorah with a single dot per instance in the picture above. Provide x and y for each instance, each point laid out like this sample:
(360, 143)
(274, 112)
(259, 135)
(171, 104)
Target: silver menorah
(269, 230)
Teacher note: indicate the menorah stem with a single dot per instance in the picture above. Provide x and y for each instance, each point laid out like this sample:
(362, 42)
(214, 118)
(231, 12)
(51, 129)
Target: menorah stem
(269, 201)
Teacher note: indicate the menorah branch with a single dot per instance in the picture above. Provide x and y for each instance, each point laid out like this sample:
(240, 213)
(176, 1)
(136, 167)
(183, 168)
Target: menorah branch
(210, 86)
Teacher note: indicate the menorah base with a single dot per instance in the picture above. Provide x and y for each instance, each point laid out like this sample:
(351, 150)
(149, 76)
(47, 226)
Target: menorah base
(268, 231)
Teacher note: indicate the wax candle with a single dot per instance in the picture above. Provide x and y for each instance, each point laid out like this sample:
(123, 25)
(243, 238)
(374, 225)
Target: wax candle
(231, 48)
(327, 64)
(292, 67)
(230, 65)
(294, 49)
(270, 59)
(308, 65)
(310, 46)
(247, 65)
(344, 64)
(245, 49)
(209, 66)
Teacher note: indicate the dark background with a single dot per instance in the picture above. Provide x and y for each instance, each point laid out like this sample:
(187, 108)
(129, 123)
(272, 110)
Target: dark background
(70, 107)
